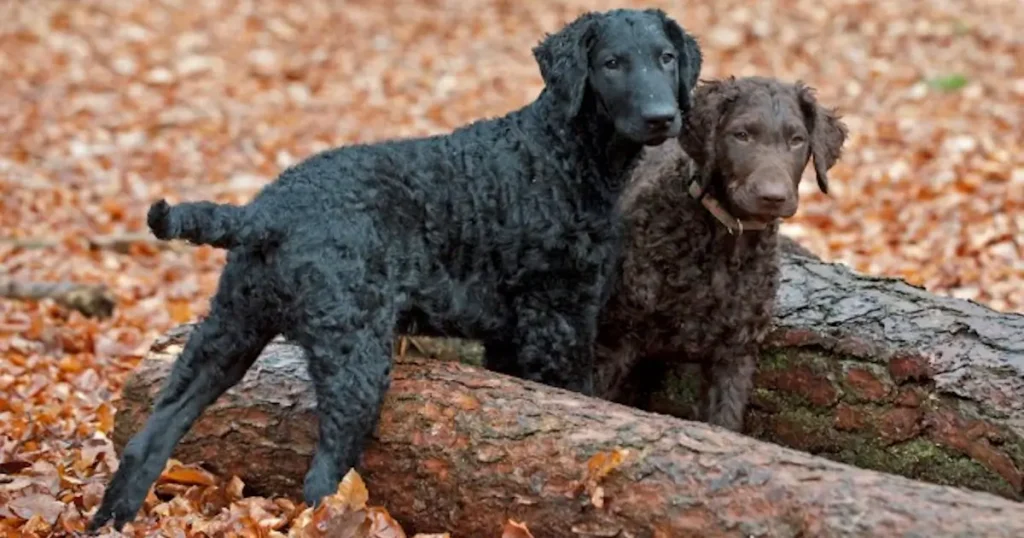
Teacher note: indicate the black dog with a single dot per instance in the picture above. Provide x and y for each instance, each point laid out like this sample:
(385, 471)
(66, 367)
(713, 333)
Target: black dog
(504, 231)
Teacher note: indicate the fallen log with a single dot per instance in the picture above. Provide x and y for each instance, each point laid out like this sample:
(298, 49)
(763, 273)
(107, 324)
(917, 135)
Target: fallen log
(879, 374)
(462, 449)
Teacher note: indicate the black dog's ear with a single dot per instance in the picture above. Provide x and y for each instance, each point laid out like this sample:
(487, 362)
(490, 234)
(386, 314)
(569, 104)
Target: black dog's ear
(690, 57)
(711, 102)
(564, 61)
(828, 134)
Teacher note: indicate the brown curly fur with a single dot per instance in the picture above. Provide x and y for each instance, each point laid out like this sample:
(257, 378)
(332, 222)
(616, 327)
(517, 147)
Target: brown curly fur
(689, 289)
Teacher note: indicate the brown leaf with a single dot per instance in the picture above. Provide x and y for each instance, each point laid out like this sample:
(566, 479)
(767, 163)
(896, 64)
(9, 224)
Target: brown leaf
(188, 474)
(44, 506)
(13, 466)
(234, 489)
(92, 494)
(179, 310)
(598, 467)
(352, 491)
(515, 529)
(602, 463)
(382, 525)
(105, 418)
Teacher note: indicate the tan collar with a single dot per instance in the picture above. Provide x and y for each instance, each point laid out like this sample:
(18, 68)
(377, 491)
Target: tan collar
(732, 223)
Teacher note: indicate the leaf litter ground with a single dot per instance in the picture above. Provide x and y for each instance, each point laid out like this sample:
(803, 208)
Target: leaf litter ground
(108, 105)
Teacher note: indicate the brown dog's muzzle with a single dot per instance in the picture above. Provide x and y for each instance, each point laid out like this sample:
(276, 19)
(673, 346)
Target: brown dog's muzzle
(767, 193)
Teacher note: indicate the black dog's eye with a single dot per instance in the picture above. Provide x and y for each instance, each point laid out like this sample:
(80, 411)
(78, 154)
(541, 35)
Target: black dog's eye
(797, 141)
(742, 136)
(611, 63)
(667, 57)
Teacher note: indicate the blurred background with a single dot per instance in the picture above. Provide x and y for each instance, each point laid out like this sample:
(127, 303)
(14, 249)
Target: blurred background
(106, 105)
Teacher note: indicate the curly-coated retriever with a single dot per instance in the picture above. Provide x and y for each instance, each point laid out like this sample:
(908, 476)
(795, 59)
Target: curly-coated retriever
(700, 264)
(503, 231)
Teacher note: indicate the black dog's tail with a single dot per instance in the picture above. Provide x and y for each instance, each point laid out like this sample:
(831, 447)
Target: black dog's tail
(207, 223)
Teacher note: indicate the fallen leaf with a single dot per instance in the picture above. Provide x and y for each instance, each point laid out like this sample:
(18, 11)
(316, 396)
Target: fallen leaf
(382, 525)
(352, 490)
(13, 466)
(105, 418)
(602, 463)
(515, 529)
(188, 474)
(234, 489)
(44, 506)
(180, 311)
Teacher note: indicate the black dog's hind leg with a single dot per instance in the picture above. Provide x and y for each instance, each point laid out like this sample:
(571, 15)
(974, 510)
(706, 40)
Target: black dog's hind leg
(218, 353)
(349, 352)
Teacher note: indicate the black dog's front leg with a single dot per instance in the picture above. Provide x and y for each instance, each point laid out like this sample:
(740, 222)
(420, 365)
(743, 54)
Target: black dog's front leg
(553, 340)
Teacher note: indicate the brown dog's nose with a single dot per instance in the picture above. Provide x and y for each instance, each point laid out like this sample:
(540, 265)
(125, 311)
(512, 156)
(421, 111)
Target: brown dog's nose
(773, 192)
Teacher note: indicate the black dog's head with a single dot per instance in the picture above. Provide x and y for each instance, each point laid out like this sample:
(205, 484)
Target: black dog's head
(752, 138)
(635, 67)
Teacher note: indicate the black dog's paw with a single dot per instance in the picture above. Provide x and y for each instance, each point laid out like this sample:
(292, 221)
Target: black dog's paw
(317, 487)
(117, 506)
(159, 219)
(117, 510)
(123, 497)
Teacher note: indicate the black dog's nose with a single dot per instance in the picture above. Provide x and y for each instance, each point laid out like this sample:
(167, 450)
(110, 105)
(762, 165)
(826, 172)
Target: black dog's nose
(659, 117)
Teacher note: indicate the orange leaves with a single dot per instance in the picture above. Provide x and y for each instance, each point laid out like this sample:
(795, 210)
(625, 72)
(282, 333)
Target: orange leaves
(602, 463)
(346, 515)
(190, 475)
(515, 529)
(599, 466)
(105, 418)
(180, 311)
(352, 491)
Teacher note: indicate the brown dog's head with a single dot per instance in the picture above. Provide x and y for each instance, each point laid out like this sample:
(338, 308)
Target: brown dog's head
(752, 138)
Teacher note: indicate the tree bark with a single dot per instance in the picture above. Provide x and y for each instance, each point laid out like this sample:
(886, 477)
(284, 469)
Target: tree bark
(462, 449)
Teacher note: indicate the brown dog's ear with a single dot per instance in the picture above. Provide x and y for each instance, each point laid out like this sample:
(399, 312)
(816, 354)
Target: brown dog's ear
(828, 134)
(711, 102)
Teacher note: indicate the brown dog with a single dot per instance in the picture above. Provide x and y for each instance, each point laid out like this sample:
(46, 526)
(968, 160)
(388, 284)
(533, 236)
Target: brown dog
(700, 267)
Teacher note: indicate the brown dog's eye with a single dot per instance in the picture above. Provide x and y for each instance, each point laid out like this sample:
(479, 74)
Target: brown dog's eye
(667, 57)
(742, 136)
(797, 141)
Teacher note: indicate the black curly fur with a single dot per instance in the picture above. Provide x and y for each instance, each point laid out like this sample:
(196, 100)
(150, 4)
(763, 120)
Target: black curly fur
(503, 231)
(690, 290)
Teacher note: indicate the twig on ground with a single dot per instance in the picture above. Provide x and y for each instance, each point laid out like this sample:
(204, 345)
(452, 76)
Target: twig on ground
(92, 300)
(119, 242)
